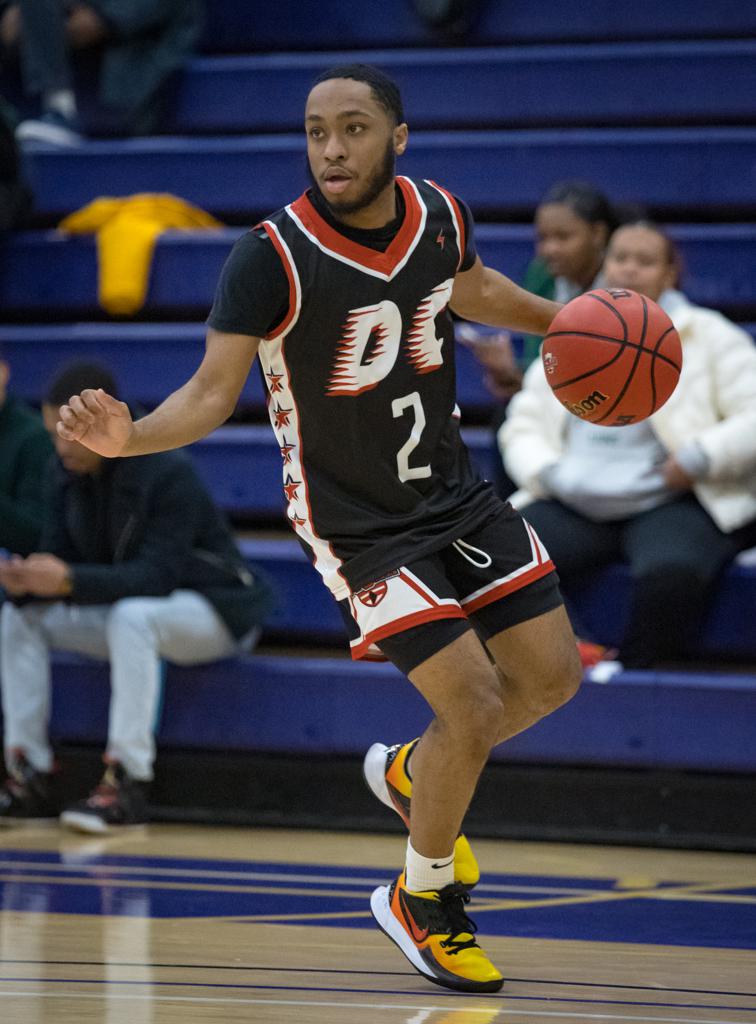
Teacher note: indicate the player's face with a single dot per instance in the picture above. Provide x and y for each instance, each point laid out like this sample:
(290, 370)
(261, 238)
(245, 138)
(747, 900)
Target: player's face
(352, 143)
(74, 456)
(569, 246)
(638, 258)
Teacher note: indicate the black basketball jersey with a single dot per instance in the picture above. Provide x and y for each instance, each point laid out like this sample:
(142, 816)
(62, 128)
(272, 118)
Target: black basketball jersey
(361, 382)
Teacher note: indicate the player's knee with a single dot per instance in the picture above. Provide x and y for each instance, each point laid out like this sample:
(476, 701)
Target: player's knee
(560, 681)
(475, 719)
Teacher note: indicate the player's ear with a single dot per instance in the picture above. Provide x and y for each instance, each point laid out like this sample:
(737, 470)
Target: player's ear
(401, 136)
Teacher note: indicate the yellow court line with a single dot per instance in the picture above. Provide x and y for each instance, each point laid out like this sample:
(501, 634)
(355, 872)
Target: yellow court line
(683, 892)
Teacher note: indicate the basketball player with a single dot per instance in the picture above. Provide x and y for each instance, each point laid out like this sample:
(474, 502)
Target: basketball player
(345, 296)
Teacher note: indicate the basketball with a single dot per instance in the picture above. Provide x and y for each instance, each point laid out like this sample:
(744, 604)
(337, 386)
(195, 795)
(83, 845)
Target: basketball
(612, 357)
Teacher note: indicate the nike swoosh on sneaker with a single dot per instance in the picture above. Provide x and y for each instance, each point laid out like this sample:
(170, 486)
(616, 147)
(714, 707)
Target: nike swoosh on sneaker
(418, 934)
(444, 864)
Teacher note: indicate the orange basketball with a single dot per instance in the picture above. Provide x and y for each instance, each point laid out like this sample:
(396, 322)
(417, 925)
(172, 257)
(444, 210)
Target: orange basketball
(612, 356)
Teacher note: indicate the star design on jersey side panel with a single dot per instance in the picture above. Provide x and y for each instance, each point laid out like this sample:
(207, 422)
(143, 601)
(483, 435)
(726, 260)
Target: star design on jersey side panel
(274, 382)
(296, 520)
(286, 450)
(291, 487)
(282, 416)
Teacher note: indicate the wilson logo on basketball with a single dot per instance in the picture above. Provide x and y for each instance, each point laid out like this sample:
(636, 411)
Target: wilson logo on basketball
(587, 404)
(371, 596)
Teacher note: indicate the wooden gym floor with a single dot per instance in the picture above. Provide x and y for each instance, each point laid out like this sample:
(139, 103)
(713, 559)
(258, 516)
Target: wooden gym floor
(189, 924)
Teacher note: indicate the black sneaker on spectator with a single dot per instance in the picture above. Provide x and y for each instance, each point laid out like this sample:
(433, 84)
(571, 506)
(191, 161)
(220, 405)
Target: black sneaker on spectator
(117, 801)
(51, 129)
(28, 797)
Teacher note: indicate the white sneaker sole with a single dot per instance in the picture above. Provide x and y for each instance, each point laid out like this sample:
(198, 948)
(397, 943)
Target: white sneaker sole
(374, 771)
(381, 911)
(88, 823)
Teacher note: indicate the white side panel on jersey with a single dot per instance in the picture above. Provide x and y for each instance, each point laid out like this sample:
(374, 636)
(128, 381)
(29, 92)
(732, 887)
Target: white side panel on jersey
(284, 418)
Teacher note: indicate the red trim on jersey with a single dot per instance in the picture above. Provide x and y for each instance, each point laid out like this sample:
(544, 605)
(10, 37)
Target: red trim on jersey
(383, 262)
(292, 310)
(460, 220)
(510, 587)
(399, 625)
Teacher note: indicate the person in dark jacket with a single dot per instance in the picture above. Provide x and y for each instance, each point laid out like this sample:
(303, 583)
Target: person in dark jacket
(135, 565)
(25, 451)
(141, 43)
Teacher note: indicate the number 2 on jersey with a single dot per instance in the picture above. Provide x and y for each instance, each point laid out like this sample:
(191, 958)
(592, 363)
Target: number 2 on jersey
(398, 408)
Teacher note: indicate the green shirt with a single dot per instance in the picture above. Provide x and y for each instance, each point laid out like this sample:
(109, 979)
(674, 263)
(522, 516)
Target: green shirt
(25, 450)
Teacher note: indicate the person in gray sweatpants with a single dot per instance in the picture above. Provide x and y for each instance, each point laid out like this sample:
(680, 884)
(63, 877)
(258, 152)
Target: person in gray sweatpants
(135, 566)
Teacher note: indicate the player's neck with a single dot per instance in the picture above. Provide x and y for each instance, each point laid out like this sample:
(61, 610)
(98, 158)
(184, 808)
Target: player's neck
(377, 214)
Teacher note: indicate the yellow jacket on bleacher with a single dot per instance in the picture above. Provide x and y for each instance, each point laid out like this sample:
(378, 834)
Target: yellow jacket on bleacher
(127, 228)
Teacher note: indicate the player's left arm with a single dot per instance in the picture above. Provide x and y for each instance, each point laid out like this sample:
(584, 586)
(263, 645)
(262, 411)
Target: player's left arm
(488, 297)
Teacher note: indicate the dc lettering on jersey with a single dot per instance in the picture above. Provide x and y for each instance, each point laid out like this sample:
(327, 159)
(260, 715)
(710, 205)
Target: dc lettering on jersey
(367, 350)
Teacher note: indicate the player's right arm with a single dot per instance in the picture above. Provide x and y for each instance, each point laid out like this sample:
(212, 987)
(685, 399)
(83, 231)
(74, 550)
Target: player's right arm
(103, 424)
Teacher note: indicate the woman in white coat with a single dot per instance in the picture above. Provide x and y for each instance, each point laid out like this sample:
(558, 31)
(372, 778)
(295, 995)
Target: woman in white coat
(673, 496)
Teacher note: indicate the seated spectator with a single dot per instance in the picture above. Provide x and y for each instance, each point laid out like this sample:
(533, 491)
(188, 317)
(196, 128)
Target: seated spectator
(15, 196)
(135, 565)
(674, 495)
(25, 451)
(140, 43)
(573, 223)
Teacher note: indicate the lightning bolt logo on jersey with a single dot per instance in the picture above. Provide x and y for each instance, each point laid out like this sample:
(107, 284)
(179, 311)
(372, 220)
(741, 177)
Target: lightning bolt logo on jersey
(362, 388)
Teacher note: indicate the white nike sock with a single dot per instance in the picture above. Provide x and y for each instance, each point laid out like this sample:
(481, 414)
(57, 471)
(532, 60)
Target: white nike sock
(428, 872)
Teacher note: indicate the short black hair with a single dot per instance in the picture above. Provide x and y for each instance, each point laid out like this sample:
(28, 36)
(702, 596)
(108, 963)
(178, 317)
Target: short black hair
(76, 377)
(384, 89)
(585, 200)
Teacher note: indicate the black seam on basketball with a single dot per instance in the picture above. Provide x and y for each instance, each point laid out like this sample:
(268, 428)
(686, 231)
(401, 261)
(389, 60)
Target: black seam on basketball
(589, 373)
(655, 353)
(618, 341)
(640, 347)
(620, 317)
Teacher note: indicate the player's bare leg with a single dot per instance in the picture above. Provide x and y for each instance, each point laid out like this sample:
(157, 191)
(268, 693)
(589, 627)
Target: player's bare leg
(464, 690)
(539, 669)
(423, 910)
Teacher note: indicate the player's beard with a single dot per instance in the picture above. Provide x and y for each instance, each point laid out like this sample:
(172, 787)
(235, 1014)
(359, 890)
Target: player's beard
(380, 179)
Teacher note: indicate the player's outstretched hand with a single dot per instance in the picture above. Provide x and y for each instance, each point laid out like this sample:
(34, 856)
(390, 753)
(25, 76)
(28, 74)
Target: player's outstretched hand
(96, 420)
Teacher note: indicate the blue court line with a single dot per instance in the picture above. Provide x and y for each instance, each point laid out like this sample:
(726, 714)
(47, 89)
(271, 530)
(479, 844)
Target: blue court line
(352, 970)
(664, 913)
(370, 991)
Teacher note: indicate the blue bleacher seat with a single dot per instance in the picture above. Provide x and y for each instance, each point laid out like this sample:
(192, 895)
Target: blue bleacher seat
(641, 719)
(375, 23)
(494, 171)
(42, 272)
(637, 83)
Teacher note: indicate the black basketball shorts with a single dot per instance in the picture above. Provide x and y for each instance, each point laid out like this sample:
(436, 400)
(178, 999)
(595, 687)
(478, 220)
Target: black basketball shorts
(491, 579)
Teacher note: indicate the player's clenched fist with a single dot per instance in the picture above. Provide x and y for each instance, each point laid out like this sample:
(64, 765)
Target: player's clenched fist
(96, 420)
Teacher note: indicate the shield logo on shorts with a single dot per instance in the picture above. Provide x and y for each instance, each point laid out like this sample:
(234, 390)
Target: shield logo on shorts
(371, 596)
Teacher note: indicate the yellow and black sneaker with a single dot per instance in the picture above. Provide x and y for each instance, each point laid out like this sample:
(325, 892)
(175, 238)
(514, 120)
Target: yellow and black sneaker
(434, 932)
(388, 778)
